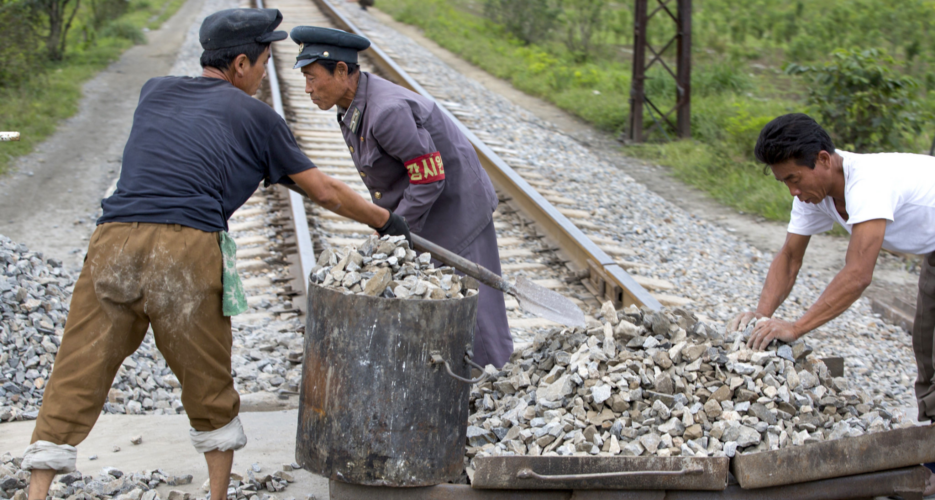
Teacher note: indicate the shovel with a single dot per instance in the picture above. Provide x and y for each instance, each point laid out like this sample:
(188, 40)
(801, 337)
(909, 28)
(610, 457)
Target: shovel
(532, 298)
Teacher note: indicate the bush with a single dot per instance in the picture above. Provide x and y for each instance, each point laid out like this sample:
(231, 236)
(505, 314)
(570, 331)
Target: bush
(125, 30)
(720, 77)
(583, 21)
(103, 11)
(529, 21)
(866, 106)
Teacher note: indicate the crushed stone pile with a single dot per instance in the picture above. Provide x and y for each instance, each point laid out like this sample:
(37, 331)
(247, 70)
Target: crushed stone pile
(35, 293)
(641, 383)
(115, 484)
(387, 267)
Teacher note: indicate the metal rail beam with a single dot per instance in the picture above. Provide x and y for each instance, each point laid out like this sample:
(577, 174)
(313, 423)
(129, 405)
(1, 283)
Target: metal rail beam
(303, 240)
(618, 286)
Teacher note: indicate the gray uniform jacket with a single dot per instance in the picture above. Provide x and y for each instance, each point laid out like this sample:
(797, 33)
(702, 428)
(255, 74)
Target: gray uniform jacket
(416, 162)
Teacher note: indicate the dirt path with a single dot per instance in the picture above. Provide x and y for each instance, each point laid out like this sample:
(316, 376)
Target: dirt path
(825, 253)
(51, 199)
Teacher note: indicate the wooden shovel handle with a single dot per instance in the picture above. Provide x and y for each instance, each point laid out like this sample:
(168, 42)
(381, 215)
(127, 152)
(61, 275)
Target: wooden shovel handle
(472, 269)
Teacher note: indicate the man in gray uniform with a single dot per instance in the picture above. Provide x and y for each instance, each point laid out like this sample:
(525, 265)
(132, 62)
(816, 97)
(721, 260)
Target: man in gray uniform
(414, 161)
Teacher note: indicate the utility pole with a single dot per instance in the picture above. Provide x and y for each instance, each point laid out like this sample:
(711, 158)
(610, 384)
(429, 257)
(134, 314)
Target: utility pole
(682, 74)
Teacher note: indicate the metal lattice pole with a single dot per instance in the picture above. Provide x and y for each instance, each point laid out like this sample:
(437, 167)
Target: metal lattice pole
(639, 102)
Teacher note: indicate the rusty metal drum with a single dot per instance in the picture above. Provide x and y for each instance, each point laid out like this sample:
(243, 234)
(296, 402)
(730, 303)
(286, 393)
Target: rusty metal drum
(380, 402)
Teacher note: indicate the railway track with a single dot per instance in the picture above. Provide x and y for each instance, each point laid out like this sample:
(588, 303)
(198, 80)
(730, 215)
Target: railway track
(537, 237)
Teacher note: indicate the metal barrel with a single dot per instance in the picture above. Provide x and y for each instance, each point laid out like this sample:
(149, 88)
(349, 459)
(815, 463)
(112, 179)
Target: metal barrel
(377, 405)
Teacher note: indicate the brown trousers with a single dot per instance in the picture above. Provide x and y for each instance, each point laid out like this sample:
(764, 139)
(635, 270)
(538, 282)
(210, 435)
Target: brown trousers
(923, 338)
(137, 275)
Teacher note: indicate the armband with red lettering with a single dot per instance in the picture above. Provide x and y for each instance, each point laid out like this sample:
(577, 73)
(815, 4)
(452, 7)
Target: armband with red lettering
(426, 169)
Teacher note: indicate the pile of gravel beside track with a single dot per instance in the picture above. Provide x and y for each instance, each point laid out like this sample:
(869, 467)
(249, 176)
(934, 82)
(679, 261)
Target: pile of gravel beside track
(35, 294)
(116, 484)
(648, 383)
(706, 264)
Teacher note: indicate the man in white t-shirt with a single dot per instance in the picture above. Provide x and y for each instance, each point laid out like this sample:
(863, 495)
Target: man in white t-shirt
(884, 200)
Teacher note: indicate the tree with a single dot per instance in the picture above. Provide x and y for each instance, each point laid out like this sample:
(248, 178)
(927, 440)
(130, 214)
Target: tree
(866, 105)
(59, 22)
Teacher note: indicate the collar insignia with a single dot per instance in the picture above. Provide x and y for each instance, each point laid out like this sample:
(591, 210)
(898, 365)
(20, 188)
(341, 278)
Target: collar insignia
(355, 120)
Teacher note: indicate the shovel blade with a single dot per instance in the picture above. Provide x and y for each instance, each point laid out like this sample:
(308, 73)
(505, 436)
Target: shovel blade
(547, 304)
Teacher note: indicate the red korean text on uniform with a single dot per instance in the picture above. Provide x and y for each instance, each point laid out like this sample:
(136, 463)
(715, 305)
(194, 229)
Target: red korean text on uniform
(426, 168)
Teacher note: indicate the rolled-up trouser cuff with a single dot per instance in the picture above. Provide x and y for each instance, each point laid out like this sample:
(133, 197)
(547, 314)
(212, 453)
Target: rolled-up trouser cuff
(46, 455)
(927, 408)
(229, 437)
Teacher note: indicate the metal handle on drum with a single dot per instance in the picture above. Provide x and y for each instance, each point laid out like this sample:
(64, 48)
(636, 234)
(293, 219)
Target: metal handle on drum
(438, 360)
(530, 474)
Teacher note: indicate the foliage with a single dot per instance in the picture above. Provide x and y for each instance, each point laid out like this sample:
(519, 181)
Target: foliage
(866, 105)
(125, 30)
(36, 98)
(19, 43)
(529, 21)
(103, 11)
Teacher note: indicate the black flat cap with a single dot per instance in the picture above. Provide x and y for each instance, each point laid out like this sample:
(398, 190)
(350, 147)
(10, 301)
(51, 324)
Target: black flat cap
(326, 43)
(233, 27)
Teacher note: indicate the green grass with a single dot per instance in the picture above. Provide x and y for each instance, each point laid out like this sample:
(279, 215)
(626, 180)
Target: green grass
(37, 107)
(737, 85)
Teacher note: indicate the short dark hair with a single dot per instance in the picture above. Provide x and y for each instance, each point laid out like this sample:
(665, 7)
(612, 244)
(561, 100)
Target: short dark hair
(330, 65)
(795, 136)
(222, 58)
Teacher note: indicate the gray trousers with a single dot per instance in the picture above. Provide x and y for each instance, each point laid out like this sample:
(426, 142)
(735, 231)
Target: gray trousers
(493, 343)
(923, 338)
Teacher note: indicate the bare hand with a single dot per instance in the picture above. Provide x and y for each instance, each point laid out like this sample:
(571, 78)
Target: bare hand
(740, 322)
(766, 331)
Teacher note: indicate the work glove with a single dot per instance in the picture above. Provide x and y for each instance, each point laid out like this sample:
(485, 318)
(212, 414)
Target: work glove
(396, 225)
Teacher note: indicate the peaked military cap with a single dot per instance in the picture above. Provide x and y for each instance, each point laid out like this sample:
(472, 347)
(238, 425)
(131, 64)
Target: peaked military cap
(326, 43)
(233, 27)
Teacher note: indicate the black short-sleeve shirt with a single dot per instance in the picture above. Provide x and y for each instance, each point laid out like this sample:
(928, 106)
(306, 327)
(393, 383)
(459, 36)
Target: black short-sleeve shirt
(198, 149)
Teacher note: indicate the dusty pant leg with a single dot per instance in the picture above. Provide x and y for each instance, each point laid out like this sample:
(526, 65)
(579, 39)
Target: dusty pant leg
(104, 326)
(183, 300)
(923, 337)
(493, 343)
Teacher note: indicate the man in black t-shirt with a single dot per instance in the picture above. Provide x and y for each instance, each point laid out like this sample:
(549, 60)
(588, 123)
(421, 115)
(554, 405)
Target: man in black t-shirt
(198, 149)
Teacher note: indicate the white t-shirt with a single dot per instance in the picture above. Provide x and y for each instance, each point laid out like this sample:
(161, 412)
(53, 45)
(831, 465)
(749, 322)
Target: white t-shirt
(898, 187)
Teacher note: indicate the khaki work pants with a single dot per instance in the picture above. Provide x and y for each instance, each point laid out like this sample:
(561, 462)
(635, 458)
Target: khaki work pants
(923, 338)
(137, 275)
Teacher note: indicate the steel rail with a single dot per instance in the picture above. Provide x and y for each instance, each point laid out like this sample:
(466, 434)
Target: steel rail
(303, 239)
(607, 278)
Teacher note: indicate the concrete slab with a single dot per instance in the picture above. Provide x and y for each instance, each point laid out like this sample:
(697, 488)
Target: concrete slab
(271, 443)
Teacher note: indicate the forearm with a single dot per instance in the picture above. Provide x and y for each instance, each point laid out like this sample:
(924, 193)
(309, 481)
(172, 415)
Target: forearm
(779, 283)
(843, 291)
(338, 197)
(344, 201)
